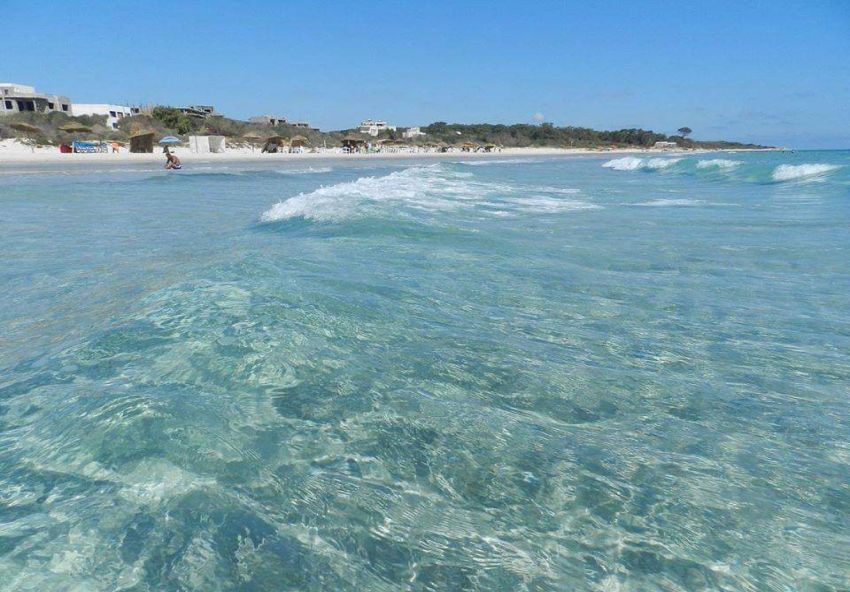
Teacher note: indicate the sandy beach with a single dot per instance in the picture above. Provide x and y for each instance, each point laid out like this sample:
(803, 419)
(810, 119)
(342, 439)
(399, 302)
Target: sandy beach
(14, 152)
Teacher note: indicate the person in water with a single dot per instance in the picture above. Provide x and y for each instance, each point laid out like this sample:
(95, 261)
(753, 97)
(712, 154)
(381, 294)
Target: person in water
(172, 162)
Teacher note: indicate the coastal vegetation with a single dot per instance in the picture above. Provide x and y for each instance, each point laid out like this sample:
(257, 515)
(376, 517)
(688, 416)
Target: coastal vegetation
(164, 120)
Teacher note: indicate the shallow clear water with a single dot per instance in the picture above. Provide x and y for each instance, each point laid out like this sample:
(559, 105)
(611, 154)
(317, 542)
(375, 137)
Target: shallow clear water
(518, 374)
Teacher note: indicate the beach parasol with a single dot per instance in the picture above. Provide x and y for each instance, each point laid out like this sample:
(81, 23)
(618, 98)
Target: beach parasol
(169, 140)
(142, 142)
(272, 143)
(27, 128)
(24, 127)
(298, 141)
(252, 138)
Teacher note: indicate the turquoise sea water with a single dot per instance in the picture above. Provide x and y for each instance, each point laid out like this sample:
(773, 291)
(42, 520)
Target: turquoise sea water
(522, 374)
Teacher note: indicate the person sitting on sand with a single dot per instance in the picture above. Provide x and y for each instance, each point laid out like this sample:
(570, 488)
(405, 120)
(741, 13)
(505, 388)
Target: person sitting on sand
(172, 162)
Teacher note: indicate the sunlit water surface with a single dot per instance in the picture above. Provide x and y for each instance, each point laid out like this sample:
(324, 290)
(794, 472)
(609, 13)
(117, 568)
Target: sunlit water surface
(532, 374)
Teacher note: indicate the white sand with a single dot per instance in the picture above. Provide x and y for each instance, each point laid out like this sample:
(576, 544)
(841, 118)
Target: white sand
(14, 152)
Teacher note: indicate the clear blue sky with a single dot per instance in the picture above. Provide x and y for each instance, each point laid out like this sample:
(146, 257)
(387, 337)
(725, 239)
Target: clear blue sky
(767, 71)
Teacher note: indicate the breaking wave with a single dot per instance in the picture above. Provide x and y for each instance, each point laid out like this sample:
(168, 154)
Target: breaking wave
(719, 163)
(633, 163)
(629, 163)
(791, 172)
(417, 189)
(424, 188)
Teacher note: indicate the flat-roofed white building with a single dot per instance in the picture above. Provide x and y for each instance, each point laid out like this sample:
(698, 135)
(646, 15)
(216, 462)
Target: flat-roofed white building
(268, 120)
(372, 127)
(665, 145)
(412, 132)
(114, 113)
(21, 98)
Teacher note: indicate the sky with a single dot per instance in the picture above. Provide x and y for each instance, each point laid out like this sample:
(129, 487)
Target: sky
(774, 72)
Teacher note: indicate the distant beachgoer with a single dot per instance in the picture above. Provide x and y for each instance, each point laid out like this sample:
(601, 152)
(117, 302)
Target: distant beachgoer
(114, 147)
(172, 162)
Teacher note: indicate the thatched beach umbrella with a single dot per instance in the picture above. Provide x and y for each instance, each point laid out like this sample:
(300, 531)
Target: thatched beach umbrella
(352, 141)
(26, 128)
(273, 143)
(142, 142)
(252, 138)
(75, 128)
(298, 141)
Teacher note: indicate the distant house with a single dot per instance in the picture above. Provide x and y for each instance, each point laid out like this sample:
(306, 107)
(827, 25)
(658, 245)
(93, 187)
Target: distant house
(665, 145)
(268, 120)
(20, 98)
(412, 132)
(373, 128)
(301, 124)
(114, 113)
(200, 111)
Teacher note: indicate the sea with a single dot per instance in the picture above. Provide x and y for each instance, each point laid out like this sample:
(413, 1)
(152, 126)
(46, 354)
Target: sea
(607, 372)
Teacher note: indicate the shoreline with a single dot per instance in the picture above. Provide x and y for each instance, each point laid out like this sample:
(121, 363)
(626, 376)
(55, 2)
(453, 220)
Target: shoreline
(21, 156)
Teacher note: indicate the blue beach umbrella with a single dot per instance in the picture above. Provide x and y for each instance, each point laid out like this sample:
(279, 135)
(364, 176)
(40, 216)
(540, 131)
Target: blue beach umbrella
(169, 140)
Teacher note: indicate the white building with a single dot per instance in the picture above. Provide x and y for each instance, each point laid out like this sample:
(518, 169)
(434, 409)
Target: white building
(114, 113)
(17, 98)
(268, 120)
(373, 128)
(665, 145)
(412, 132)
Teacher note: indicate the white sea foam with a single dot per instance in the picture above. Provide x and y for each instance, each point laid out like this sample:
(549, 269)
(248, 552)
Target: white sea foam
(307, 171)
(790, 172)
(660, 203)
(660, 163)
(425, 188)
(633, 163)
(557, 190)
(628, 163)
(720, 163)
(542, 204)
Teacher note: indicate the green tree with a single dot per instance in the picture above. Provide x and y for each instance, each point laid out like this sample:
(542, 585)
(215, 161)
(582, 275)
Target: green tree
(174, 119)
(685, 131)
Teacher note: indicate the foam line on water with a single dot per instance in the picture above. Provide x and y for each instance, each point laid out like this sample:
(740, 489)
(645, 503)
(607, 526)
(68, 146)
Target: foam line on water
(660, 203)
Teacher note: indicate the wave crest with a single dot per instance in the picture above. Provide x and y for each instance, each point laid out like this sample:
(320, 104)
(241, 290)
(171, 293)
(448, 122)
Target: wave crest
(420, 189)
(633, 163)
(425, 188)
(720, 163)
(791, 172)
